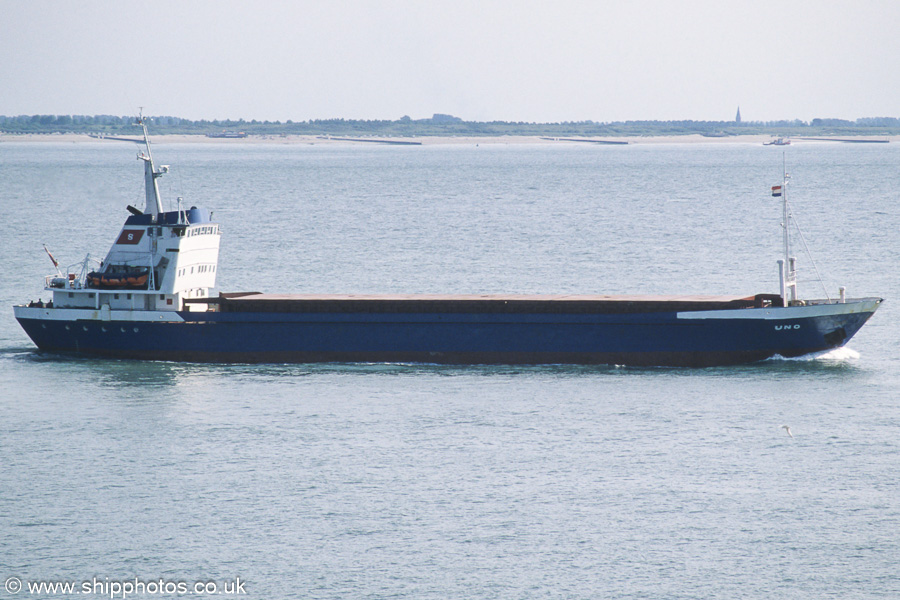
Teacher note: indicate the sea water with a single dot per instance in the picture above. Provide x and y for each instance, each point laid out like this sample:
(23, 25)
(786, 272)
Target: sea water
(421, 481)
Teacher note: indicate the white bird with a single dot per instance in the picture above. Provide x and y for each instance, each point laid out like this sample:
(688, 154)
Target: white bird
(788, 429)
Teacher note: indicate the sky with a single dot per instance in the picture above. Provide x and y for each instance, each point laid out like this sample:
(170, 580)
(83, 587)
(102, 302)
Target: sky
(481, 60)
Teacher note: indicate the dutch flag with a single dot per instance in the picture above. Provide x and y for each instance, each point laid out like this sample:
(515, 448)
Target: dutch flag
(776, 190)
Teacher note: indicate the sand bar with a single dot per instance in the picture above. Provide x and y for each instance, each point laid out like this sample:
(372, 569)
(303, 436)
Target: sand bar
(424, 140)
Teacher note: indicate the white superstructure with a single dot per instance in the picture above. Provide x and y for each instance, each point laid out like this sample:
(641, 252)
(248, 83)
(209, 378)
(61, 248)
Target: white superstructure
(158, 260)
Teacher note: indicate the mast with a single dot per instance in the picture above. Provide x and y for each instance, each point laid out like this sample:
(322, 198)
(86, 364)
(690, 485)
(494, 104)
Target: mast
(788, 265)
(153, 202)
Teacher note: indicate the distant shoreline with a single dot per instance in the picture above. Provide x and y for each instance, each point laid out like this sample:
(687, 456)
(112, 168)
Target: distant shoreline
(65, 138)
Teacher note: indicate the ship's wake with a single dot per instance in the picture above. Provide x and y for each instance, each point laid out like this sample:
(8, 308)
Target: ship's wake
(836, 356)
(842, 355)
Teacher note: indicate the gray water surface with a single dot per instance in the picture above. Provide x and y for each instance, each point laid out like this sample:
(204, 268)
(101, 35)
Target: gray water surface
(418, 481)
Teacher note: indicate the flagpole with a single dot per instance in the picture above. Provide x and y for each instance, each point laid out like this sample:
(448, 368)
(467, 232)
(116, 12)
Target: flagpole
(53, 260)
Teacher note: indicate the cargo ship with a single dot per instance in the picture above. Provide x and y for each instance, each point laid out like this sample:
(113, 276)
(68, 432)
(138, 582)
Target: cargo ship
(149, 299)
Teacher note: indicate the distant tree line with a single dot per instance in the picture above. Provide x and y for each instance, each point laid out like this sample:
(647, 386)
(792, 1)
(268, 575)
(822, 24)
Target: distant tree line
(443, 125)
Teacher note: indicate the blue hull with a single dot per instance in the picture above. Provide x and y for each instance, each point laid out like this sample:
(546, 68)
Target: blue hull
(695, 339)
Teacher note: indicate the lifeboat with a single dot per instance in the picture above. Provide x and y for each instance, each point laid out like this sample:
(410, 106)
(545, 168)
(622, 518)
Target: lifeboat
(135, 280)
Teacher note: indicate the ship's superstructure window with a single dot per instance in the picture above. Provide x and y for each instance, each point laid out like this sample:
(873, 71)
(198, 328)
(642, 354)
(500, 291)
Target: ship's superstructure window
(207, 230)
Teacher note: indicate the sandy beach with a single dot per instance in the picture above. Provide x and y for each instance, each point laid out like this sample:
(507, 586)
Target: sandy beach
(424, 140)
